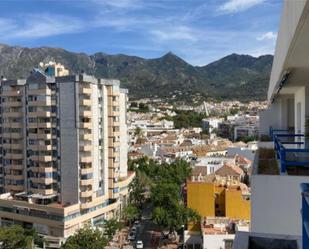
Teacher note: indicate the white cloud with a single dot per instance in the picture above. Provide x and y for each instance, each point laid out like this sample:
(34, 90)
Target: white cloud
(233, 6)
(38, 26)
(175, 33)
(122, 4)
(267, 36)
(6, 25)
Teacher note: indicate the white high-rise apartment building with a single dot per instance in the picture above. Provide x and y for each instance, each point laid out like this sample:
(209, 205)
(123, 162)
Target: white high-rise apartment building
(63, 151)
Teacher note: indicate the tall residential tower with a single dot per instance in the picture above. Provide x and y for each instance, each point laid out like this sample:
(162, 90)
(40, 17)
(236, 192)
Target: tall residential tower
(63, 151)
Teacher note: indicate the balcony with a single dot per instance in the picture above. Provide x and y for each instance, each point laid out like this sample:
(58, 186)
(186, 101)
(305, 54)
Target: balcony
(12, 114)
(13, 146)
(43, 180)
(16, 166)
(15, 177)
(42, 191)
(16, 188)
(112, 113)
(42, 91)
(85, 136)
(40, 147)
(44, 114)
(46, 102)
(86, 182)
(305, 214)
(85, 113)
(85, 159)
(13, 156)
(14, 135)
(40, 125)
(85, 125)
(86, 194)
(84, 171)
(42, 158)
(40, 136)
(113, 103)
(85, 102)
(85, 147)
(279, 167)
(291, 151)
(85, 90)
(12, 104)
(13, 93)
(13, 125)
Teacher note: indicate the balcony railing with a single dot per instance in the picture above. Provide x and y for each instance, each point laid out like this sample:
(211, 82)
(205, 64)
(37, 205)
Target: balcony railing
(291, 149)
(305, 214)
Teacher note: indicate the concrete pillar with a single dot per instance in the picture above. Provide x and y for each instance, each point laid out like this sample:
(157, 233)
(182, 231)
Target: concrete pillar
(301, 108)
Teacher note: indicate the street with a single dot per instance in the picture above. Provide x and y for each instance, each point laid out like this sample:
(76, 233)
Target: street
(147, 231)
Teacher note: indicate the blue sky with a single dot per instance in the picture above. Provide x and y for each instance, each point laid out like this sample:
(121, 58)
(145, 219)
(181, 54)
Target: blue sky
(199, 31)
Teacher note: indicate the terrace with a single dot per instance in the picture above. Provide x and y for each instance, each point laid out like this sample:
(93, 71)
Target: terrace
(291, 150)
(281, 164)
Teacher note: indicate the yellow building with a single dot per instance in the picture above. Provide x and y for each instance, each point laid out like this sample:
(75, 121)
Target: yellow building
(237, 204)
(212, 198)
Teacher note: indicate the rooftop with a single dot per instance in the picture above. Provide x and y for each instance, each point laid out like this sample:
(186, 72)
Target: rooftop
(221, 225)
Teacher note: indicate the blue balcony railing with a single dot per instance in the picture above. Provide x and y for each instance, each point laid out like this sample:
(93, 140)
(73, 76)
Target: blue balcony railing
(305, 214)
(290, 149)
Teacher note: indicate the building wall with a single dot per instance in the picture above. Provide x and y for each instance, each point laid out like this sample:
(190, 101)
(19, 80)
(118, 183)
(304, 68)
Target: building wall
(216, 241)
(209, 199)
(236, 206)
(105, 138)
(69, 167)
(96, 120)
(276, 204)
(75, 115)
(201, 197)
(123, 133)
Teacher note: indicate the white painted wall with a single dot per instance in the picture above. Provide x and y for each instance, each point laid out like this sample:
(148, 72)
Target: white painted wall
(95, 137)
(105, 137)
(216, 241)
(123, 134)
(276, 204)
(269, 117)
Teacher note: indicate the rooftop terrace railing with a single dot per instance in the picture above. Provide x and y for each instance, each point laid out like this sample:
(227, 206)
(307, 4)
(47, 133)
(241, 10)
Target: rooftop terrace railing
(290, 149)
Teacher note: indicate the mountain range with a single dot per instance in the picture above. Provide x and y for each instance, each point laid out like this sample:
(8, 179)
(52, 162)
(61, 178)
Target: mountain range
(239, 77)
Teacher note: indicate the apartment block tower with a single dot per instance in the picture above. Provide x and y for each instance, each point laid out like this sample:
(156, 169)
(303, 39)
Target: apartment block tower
(63, 151)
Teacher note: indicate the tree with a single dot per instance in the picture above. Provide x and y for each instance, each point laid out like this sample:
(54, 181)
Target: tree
(174, 217)
(165, 194)
(136, 196)
(111, 227)
(16, 237)
(138, 132)
(130, 213)
(86, 238)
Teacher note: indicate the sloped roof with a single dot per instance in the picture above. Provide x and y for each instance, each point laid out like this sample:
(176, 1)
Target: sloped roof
(229, 170)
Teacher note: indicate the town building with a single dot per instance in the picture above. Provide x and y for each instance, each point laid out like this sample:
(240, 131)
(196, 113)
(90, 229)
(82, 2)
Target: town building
(222, 201)
(219, 194)
(63, 151)
(246, 131)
